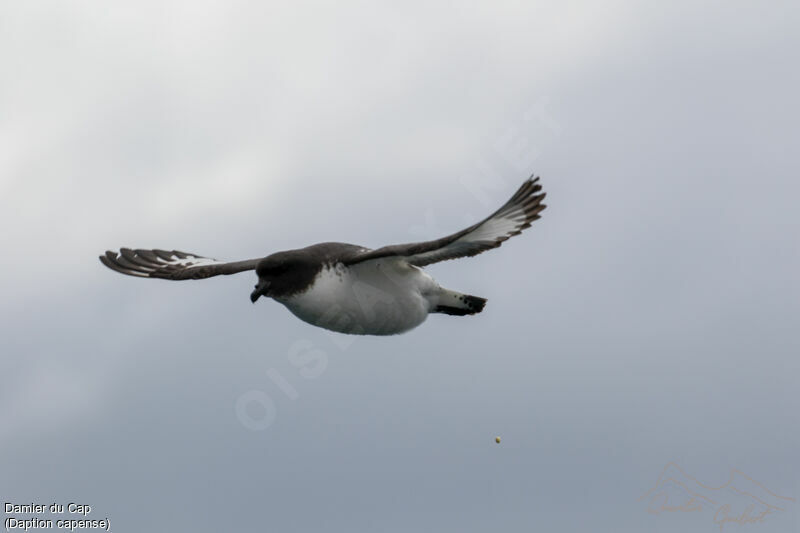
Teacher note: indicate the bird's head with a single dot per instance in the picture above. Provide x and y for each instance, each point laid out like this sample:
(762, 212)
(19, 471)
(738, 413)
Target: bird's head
(283, 274)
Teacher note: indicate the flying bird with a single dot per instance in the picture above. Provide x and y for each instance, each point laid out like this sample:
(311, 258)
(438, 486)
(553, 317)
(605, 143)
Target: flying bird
(353, 289)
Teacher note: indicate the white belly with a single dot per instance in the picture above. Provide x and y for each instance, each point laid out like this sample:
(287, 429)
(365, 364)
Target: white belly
(379, 297)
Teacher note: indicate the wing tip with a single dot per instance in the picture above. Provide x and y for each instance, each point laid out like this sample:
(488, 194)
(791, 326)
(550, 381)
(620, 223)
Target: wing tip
(170, 265)
(112, 260)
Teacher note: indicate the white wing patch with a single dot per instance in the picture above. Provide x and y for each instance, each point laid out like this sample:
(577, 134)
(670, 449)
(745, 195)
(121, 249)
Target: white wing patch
(495, 228)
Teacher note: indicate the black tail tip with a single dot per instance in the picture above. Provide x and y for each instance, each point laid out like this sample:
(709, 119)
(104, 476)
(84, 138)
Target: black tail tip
(474, 303)
(468, 305)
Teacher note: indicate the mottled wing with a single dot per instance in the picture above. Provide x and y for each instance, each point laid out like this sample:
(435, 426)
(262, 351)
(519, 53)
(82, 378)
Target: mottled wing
(513, 217)
(172, 265)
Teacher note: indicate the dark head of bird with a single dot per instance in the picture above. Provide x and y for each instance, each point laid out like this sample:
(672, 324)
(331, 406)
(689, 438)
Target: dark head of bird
(283, 274)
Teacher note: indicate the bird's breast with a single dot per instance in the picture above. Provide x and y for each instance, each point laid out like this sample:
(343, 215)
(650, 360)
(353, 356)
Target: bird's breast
(379, 297)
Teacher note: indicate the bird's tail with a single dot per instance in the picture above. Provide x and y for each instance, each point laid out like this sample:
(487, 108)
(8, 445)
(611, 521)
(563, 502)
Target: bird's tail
(455, 303)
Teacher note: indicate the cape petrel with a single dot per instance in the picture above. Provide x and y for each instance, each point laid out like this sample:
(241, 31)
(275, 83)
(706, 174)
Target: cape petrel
(353, 289)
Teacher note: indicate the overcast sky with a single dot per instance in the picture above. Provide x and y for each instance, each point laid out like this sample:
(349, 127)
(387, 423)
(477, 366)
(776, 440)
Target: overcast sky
(650, 317)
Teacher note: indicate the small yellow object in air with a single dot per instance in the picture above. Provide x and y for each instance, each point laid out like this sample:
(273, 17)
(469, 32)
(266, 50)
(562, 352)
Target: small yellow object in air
(497, 440)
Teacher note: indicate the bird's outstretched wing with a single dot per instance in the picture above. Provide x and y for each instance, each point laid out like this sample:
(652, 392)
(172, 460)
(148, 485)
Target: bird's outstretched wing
(173, 265)
(513, 217)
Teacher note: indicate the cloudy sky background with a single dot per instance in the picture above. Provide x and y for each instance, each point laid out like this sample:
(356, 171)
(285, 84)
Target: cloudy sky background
(651, 315)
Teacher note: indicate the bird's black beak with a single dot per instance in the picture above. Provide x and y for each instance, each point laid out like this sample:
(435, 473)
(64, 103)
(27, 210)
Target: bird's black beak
(261, 288)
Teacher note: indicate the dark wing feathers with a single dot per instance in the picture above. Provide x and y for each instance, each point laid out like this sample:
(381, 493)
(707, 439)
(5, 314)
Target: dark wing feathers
(513, 217)
(172, 265)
